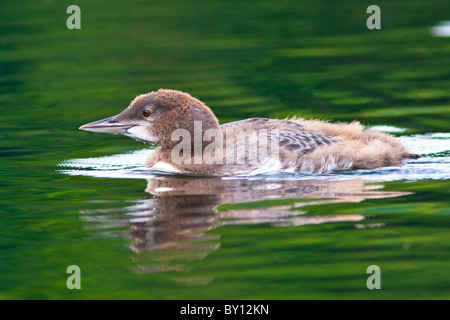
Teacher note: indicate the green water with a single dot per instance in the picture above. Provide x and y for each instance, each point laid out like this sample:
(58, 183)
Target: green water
(212, 238)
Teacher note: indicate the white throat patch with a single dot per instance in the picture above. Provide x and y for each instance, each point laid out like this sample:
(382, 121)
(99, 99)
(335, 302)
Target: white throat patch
(141, 133)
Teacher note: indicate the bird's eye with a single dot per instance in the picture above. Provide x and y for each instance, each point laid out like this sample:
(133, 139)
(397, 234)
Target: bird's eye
(146, 113)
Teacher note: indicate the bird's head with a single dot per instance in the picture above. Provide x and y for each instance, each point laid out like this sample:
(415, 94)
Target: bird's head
(153, 117)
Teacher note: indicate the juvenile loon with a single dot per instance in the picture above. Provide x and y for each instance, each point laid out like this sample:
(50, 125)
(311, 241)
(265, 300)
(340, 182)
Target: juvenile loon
(191, 141)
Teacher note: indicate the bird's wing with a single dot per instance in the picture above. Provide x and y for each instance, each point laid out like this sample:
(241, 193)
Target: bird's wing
(262, 123)
(299, 141)
(254, 146)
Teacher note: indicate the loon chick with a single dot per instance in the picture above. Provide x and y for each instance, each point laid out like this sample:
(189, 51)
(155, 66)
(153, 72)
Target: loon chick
(296, 144)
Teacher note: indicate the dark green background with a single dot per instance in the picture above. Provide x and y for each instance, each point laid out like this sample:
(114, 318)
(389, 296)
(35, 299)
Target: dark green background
(242, 58)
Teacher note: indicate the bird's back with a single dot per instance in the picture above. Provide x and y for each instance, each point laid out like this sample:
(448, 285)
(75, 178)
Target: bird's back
(314, 146)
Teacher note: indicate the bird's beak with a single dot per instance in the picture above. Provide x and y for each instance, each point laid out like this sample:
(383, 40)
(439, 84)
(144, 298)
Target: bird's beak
(107, 125)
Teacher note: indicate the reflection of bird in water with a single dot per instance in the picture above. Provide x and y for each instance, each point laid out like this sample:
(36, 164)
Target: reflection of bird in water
(184, 208)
